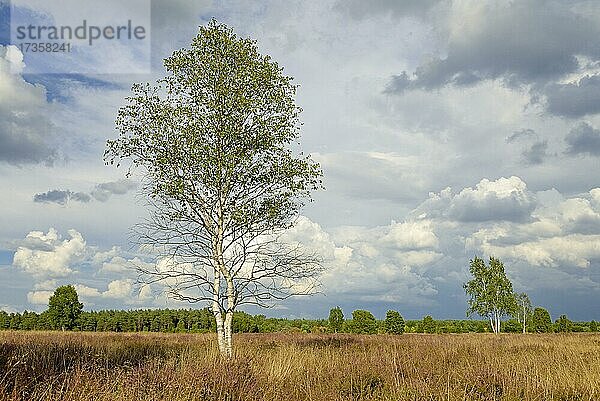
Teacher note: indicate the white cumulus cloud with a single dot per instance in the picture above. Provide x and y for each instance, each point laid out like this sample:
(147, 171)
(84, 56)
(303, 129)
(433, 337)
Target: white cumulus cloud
(564, 232)
(502, 199)
(121, 290)
(48, 255)
(411, 235)
(39, 297)
(373, 263)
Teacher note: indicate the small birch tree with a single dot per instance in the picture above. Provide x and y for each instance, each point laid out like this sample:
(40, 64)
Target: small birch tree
(336, 319)
(523, 309)
(490, 291)
(213, 142)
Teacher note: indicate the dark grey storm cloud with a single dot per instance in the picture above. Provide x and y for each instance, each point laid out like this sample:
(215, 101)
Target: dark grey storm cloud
(22, 145)
(491, 208)
(522, 134)
(360, 9)
(61, 197)
(174, 23)
(53, 196)
(36, 244)
(399, 83)
(536, 153)
(80, 197)
(587, 225)
(104, 191)
(532, 42)
(583, 139)
(574, 99)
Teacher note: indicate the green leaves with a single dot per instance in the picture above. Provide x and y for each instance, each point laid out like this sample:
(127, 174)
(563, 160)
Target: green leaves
(394, 322)
(363, 322)
(563, 324)
(64, 307)
(218, 126)
(429, 325)
(541, 321)
(336, 319)
(490, 291)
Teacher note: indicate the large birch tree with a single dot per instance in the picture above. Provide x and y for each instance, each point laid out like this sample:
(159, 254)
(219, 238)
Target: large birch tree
(214, 144)
(490, 291)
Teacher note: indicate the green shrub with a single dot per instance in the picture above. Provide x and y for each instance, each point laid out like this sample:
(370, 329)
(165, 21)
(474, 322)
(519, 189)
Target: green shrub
(363, 322)
(394, 322)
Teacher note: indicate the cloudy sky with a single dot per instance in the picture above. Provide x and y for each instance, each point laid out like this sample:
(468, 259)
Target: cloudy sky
(445, 129)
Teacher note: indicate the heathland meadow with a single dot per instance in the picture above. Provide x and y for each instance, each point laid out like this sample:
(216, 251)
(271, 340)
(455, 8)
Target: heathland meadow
(296, 366)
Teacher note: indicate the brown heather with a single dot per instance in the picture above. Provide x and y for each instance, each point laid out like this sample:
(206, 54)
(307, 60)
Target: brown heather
(98, 366)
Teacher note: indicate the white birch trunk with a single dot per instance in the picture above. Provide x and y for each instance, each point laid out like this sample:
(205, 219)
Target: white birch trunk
(225, 334)
(228, 334)
(495, 322)
(216, 309)
(220, 332)
(229, 315)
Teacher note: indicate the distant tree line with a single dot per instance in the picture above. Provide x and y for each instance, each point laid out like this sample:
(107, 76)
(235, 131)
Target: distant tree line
(202, 321)
(65, 312)
(539, 321)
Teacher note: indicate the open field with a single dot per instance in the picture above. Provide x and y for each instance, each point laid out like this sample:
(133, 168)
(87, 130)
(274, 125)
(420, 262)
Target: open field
(89, 366)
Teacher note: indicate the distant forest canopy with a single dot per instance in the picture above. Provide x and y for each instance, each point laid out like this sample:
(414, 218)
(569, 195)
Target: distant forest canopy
(202, 320)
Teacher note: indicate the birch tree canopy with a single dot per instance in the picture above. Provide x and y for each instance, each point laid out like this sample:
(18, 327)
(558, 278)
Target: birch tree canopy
(490, 291)
(216, 144)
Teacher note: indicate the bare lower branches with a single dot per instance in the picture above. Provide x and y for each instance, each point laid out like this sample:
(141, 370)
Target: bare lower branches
(194, 259)
(263, 267)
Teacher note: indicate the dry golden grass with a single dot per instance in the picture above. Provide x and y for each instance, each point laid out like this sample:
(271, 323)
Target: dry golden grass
(88, 366)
